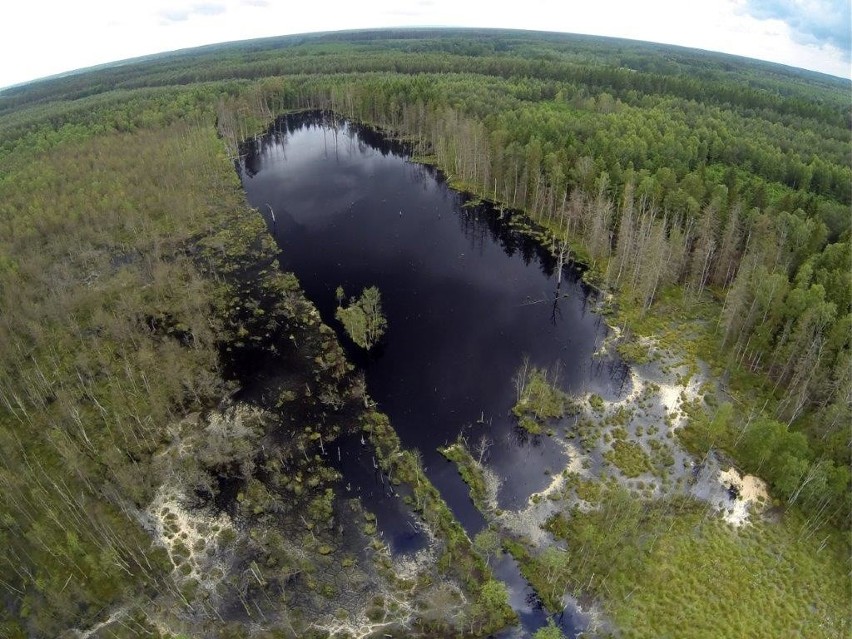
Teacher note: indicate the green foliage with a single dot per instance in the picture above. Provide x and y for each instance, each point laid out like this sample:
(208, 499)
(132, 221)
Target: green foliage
(470, 471)
(550, 631)
(101, 363)
(711, 193)
(771, 450)
(634, 352)
(629, 458)
(135, 279)
(588, 490)
(596, 402)
(669, 570)
(548, 572)
(494, 603)
(458, 556)
(487, 542)
(363, 319)
(538, 397)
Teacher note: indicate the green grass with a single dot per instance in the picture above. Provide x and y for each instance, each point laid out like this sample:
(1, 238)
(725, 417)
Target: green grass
(662, 456)
(588, 490)
(763, 581)
(634, 352)
(629, 458)
(672, 569)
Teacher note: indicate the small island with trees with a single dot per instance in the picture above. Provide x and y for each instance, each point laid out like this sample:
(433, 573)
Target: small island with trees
(362, 318)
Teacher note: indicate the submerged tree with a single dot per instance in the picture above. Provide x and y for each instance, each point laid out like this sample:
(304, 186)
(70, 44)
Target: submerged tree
(363, 319)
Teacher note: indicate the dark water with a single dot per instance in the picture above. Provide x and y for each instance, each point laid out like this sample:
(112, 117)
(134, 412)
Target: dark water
(466, 297)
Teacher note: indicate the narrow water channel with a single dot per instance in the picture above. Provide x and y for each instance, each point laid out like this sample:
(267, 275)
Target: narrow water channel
(466, 295)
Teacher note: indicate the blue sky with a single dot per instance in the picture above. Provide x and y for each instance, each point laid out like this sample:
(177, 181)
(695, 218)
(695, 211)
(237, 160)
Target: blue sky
(43, 37)
(810, 23)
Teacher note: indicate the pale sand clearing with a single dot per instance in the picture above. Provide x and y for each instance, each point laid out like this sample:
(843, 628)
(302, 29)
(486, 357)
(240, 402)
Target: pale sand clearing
(711, 485)
(528, 522)
(492, 485)
(408, 568)
(752, 495)
(656, 399)
(114, 617)
(670, 394)
(359, 628)
(188, 537)
(411, 566)
(191, 536)
(575, 459)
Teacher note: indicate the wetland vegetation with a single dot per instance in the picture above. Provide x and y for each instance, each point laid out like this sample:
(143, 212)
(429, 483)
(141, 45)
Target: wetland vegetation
(539, 398)
(362, 318)
(176, 407)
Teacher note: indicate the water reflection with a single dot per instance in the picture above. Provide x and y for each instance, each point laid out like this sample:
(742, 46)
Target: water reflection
(467, 296)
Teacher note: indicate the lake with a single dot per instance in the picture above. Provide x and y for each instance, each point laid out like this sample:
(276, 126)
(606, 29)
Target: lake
(467, 295)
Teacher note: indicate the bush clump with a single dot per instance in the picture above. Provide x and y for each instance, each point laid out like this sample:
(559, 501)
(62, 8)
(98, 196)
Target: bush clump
(363, 318)
(538, 398)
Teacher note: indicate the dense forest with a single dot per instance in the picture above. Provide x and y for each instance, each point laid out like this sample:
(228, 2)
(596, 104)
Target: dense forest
(708, 194)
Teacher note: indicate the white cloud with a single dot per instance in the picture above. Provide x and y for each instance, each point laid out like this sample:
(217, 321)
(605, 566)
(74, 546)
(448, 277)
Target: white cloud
(810, 21)
(43, 37)
(184, 13)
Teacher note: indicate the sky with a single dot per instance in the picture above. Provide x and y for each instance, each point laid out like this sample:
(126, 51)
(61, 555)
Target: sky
(44, 37)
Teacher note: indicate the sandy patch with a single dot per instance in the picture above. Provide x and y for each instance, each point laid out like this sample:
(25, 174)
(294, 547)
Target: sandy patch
(555, 485)
(669, 394)
(575, 459)
(191, 537)
(752, 495)
(713, 485)
(670, 398)
(116, 615)
(492, 485)
(609, 342)
(360, 626)
(657, 399)
(410, 566)
(674, 396)
(529, 521)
